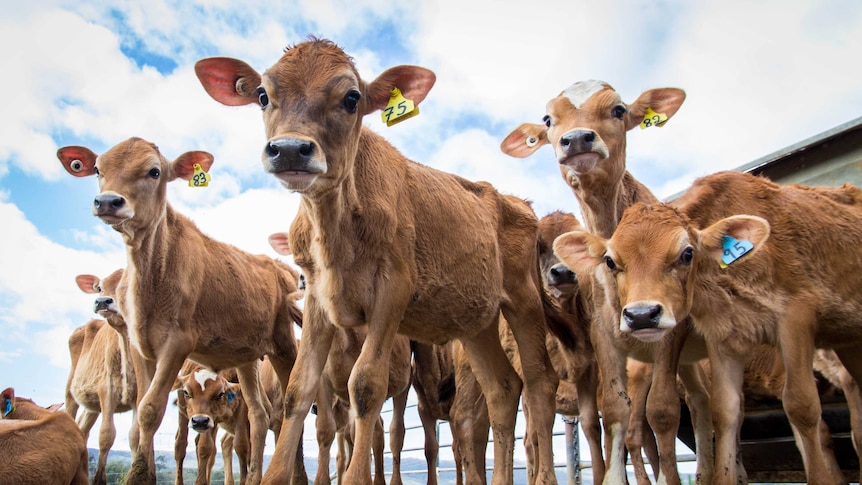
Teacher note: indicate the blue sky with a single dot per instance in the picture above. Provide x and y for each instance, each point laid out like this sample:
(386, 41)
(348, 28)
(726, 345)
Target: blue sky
(759, 76)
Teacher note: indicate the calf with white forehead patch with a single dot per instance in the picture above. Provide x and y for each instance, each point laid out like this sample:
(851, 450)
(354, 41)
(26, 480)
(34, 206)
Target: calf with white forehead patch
(751, 262)
(392, 244)
(212, 401)
(187, 295)
(586, 125)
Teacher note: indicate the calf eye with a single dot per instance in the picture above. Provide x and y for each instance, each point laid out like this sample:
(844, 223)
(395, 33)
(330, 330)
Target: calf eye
(547, 120)
(96, 170)
(221, 396)
(619, 112)
(351, 100)
(610, 262)
(686, 256)
(186, 394)
(262, 98)
(154, 173)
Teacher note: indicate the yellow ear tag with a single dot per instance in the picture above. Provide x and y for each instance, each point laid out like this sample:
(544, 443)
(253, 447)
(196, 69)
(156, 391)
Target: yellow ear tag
(651, 118)
(398, 109)
(200, 178)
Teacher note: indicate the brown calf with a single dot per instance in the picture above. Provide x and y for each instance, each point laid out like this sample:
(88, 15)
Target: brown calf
(391, 244)
(797, 288)
(587, 124)
(39, 446)
(102, 378)
(187, 295)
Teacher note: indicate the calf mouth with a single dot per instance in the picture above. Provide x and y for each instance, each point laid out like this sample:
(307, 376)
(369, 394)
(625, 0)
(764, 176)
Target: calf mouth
(582, 163)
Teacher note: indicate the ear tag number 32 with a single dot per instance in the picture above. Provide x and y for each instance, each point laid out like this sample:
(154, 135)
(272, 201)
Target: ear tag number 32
(200, 178)
(651, 118)
(398, 109)
(733, 250)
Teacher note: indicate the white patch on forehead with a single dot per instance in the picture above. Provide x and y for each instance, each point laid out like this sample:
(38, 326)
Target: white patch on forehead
(580, 92)
(203, 375)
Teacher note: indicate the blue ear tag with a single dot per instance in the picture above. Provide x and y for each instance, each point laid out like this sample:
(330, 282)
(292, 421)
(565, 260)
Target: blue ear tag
(733, 249)
(8, 408)
(230, 396)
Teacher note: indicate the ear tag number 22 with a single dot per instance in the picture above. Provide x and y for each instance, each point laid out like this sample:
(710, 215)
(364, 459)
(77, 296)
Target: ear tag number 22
(733, 250)
(651, 118)
(200, 178)
(398, 109)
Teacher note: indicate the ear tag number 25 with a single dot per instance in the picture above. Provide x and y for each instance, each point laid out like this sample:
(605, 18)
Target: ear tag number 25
(651, 118)
(398, 109)
(200, 178)
(733, 250)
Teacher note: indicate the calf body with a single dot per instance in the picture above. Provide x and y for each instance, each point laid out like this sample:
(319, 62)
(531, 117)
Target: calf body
(187, 295)
(796, 288)
(393, 244)
(39, 446)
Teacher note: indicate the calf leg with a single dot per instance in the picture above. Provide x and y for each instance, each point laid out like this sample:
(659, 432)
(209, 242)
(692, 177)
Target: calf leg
(727, 411)
(639, 381)
(325, 426)
(300, 391)
(501, 387)
(801, 400)
(396, 433)
(107, 434)
(432, 447)
(151, 410)
(227, 441)
(470, 423)
(377, 445)
(249, 381)
(850, 377)
(697, 399)
(588, 410)
(181, 441)
(205, 452)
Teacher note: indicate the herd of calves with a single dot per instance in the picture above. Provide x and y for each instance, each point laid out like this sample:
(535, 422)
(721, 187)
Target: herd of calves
(413, 276)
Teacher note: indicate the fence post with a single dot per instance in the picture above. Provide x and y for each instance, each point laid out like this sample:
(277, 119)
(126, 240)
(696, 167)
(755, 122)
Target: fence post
(573, 452)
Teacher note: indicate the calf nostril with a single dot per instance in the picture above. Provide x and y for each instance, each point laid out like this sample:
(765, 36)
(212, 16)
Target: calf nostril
(117, 203)
(271, 150)
(306, 149)
(590, 137)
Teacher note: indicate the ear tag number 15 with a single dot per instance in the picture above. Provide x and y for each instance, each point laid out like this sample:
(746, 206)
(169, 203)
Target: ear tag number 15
(200, 178)
(733, 250)
(398, 109)
(651, 118)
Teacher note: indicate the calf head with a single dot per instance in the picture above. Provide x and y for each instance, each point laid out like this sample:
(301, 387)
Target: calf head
(587, 124)
(106, 303)
(133, 179)
(653, 261)
(209, 398)
(556, 276)
(313, 101)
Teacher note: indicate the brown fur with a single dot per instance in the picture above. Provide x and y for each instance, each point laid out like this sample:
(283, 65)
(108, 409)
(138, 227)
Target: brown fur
(393, 244)
(102, 378)
(39, 446)
(589, 142)
(188, 295)
(798, 290)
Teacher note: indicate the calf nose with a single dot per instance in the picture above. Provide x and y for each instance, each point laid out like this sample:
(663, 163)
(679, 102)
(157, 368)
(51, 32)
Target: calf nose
(108, 203)
(103, 303)
(288, 154)
(642, 317)
(200, 422)
(560, 274)
(578, 141)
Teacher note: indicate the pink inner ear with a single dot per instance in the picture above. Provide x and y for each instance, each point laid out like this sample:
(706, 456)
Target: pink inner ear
(87, 283)
(280, 243)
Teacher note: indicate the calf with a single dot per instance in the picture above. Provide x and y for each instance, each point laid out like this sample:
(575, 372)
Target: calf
(211, 401)
(796, 288)
(391, 244)
(39, 446)
(587, 124)
(102, 379)
(187, 295)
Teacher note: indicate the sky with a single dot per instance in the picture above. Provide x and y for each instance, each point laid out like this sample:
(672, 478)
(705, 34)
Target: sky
(759, 76)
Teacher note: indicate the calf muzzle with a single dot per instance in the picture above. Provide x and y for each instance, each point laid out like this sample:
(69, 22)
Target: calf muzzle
(289, 154)
(642, 317)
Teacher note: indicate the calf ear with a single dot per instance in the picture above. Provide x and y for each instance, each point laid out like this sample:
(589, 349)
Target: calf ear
(87, 283)
(229, 81)
(524, 140)
(740, 227)
(78, 161)
(580, 250)
(279, 241)
(664, 101)
(184, 166)
(414, 82)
